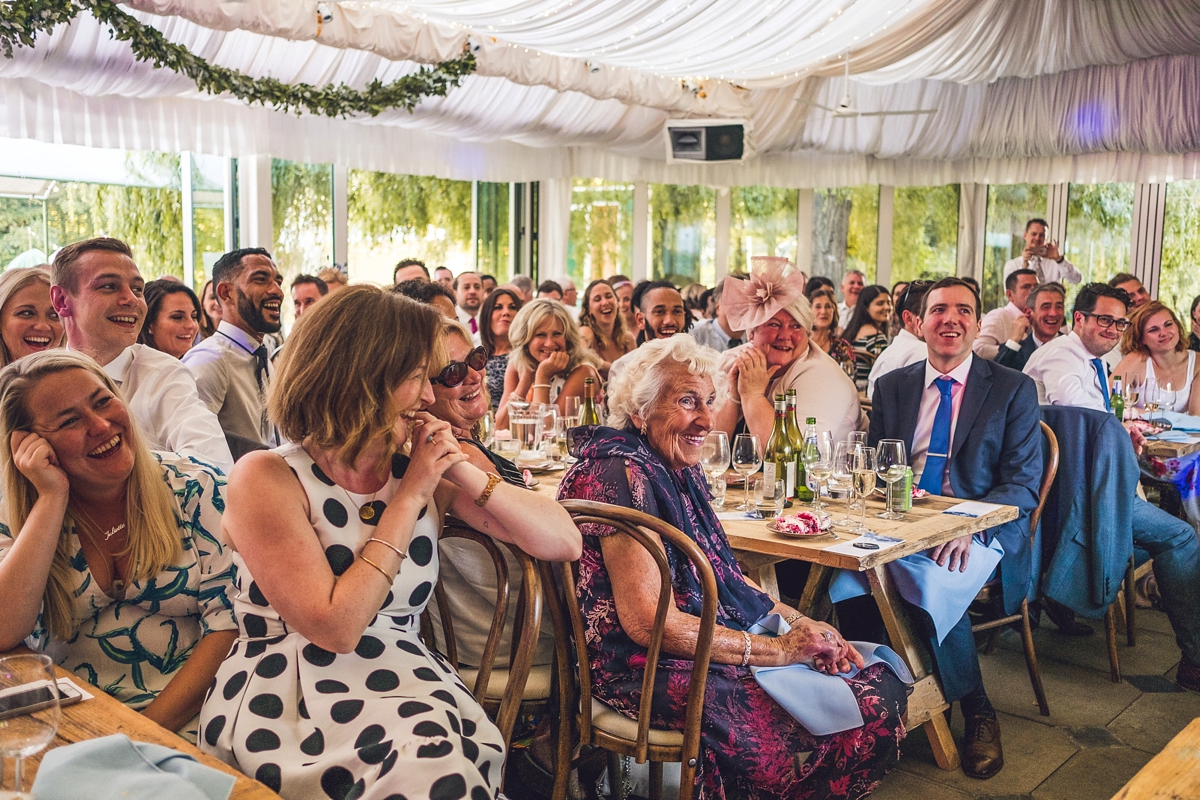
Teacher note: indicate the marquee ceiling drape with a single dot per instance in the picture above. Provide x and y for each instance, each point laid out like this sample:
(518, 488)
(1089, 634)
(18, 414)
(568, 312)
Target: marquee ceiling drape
(1030, 90)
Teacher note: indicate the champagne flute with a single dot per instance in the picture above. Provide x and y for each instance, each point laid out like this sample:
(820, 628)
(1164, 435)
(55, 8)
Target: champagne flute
(747, 458)
(817, 456)
(841, 479)
(864, 479)
(891, 463)
(27, 733)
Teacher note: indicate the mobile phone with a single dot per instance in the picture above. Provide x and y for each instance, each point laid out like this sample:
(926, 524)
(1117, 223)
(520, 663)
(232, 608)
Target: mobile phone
(30, 697)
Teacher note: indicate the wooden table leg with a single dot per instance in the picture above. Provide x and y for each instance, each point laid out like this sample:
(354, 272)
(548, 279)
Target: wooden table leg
(761, 569)
(815, 589)
(927, 702)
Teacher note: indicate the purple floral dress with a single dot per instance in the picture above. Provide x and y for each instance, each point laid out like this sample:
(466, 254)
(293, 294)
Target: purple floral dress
(749, 743)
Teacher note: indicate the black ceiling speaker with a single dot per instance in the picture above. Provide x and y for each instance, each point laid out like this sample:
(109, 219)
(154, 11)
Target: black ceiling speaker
(706, 140)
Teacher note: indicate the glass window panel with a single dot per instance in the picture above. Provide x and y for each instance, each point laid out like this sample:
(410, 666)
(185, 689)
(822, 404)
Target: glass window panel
(1179, 281)
(1099, 230)
(302, 216)
(392, 217)
(1009, 208)
(493, 250)
(600, 243)
(762, 223)
(683, 222)
(925, 233)
(845, 231)
(210, 174)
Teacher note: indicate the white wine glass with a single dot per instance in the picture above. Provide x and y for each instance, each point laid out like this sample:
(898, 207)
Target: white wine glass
(1167, 397)
(1133, 393)
(714, 456)
(891, 463)
(26, 733)
(747, 458)
(817, 456)
(864, 479)
(841, 479)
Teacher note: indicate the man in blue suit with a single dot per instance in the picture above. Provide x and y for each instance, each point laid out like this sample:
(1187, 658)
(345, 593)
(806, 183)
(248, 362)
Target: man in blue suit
(971, 429)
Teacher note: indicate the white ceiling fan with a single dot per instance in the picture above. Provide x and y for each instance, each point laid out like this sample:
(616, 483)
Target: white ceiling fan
(846, 108)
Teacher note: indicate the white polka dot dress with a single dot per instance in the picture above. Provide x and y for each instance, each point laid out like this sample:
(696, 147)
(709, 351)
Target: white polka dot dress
(390, 721)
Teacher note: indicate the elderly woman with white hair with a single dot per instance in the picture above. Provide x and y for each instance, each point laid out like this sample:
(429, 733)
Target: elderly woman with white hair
(661, 408)
(780, 355)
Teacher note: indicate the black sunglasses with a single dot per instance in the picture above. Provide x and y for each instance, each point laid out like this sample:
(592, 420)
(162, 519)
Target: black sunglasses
(456, 371)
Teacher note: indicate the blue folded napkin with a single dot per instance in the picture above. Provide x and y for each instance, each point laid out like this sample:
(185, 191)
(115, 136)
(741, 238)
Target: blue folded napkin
(116, 768)
(945, 595)
(1175, 435)
(1181, 422)
(822, 703)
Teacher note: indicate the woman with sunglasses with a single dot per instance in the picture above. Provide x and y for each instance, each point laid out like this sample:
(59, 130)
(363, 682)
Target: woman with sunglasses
(461, 399)
(549, 362)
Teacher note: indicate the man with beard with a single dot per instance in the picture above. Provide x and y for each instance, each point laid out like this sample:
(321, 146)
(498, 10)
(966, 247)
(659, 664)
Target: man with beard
(659, 313)
(97, 291)
(1042, 322)
(233, 366)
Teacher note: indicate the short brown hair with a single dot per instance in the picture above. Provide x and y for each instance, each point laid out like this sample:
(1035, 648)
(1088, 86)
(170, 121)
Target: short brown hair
(345, 357)
(1131, 340)
(946, 283)
(64, 271)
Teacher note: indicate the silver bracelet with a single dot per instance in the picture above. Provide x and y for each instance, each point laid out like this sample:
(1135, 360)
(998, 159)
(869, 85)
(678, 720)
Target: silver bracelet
(746, 652)
(403, 555)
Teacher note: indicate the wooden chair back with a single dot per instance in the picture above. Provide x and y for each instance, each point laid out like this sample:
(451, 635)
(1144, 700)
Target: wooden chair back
(1048, 476)
(650, 533)
(525, 631)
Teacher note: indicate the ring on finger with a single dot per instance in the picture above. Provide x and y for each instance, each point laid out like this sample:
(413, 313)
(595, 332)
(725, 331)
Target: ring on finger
(429, 438)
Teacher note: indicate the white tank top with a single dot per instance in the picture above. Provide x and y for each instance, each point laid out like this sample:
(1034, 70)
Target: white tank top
(1182, 395)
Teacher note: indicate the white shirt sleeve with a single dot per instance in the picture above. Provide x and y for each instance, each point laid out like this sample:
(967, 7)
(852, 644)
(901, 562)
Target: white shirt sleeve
(992, 333)
(1066, 380)
(187, 424)
(1068, 272)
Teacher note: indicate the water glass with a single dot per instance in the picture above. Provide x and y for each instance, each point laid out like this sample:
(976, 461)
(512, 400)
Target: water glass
(571, 408)
(817, 456)
(857, 438)
(525, 427)
(747, 459)
(27, 733)
(717, 485)
(841, 479)
(769, 497)
(891, 464)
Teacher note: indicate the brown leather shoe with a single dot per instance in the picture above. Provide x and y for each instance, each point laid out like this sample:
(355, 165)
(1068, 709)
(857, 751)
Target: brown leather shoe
(982, 755)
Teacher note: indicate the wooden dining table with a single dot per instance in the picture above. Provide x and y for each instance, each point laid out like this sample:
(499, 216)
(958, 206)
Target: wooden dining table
(1161, 449)
(102, 715)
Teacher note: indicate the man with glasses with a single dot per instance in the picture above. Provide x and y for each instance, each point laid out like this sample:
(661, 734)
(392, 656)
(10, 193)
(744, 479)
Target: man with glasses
(1070, 370)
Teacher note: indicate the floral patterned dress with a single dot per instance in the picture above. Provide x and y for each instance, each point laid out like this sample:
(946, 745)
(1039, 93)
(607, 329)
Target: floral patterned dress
(131, 646)
(749, 743)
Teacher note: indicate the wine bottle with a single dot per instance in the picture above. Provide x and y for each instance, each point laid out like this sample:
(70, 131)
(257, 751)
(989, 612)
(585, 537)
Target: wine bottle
(779, 457)
(1117, 401)
(801, 490)
(809, 453)
(588, 415)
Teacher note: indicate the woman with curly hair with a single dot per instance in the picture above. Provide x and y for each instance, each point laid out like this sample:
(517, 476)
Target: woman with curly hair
(600, 324)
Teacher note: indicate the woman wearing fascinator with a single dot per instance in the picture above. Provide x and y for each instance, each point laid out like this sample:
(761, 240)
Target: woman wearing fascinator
(779, 355)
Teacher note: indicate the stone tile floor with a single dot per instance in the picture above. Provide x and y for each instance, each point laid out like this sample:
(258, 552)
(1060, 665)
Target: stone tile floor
(1098, 733)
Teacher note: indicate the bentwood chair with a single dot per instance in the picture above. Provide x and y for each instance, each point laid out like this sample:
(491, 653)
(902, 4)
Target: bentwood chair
(598, 724)
(991, 595)
(502, 690)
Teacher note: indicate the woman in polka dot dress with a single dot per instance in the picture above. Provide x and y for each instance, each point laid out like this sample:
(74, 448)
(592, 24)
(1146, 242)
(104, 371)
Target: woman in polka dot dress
(329, 693)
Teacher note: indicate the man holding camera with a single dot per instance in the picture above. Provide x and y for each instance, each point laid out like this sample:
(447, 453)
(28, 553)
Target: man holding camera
(1044, 259)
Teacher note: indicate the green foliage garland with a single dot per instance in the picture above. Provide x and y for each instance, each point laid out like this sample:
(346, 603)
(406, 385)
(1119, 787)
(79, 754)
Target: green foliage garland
(21, 21)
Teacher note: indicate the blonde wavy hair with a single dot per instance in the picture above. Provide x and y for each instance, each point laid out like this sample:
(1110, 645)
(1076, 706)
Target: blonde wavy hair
(530, 318)
(11, 282)
(150, 509)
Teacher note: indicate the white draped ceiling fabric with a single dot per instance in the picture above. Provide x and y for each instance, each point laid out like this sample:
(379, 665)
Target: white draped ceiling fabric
(1037, 90)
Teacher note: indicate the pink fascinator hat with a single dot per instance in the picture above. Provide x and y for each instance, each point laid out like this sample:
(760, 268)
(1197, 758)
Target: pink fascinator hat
(774, 285)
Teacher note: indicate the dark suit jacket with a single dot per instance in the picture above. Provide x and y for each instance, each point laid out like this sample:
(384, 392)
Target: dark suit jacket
(996, 455)
(1015, 359)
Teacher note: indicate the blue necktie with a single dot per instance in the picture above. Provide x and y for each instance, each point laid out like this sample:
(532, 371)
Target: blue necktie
(939, 440)
(1099, 365)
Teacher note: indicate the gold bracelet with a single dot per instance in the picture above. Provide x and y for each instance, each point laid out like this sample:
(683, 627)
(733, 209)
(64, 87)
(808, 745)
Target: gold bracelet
(746, 654)
(493, 479)
(382, 571)
(790, 617)
(403, 555)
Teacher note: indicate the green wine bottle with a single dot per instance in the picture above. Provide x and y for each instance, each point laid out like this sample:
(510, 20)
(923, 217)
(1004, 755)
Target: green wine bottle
(588, 414)
(809, 453)
(779, 457)
(801, 491)
(1117, 401)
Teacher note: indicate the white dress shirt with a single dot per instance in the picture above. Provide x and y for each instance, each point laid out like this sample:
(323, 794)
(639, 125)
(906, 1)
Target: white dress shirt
(709, 333)
(465, 318)
(1047, 270)
(223, 365)
(995, 329)
(931, 398)
(905, 349)
(844, 313)
(162, 399)
(1063, 372)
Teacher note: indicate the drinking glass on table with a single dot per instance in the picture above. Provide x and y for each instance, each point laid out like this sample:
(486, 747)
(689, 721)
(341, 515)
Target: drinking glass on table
(817, 457)
(27, 732)
(890, 465)
(487, 429)
(714, 458)
(841, 479)
(1133, 393)
(747, 458)
(570, 411)
(857, 438)
(864, 479)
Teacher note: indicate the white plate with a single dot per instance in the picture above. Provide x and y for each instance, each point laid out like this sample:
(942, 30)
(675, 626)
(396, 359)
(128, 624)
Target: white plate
(774, 529)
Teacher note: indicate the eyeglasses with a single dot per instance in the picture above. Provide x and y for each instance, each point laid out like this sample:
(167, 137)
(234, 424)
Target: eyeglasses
(1105, 321)
(456, 371)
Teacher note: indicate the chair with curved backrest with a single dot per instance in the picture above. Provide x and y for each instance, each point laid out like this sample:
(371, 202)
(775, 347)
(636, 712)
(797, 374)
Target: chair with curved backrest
(500, 691)
(600, 725)
(992, 591)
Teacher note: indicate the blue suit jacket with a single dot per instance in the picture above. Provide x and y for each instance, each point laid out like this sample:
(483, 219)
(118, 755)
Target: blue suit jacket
(996, 455)
(1087, 525)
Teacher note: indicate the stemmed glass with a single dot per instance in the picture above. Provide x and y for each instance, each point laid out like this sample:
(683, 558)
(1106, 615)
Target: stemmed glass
(1167, 397)
(841, 479)
(487, 429)
(26, 733)
(864, 479)
(890, 464)
(1132, 394)
(747, 458)
(714, 457)
(817, 457)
